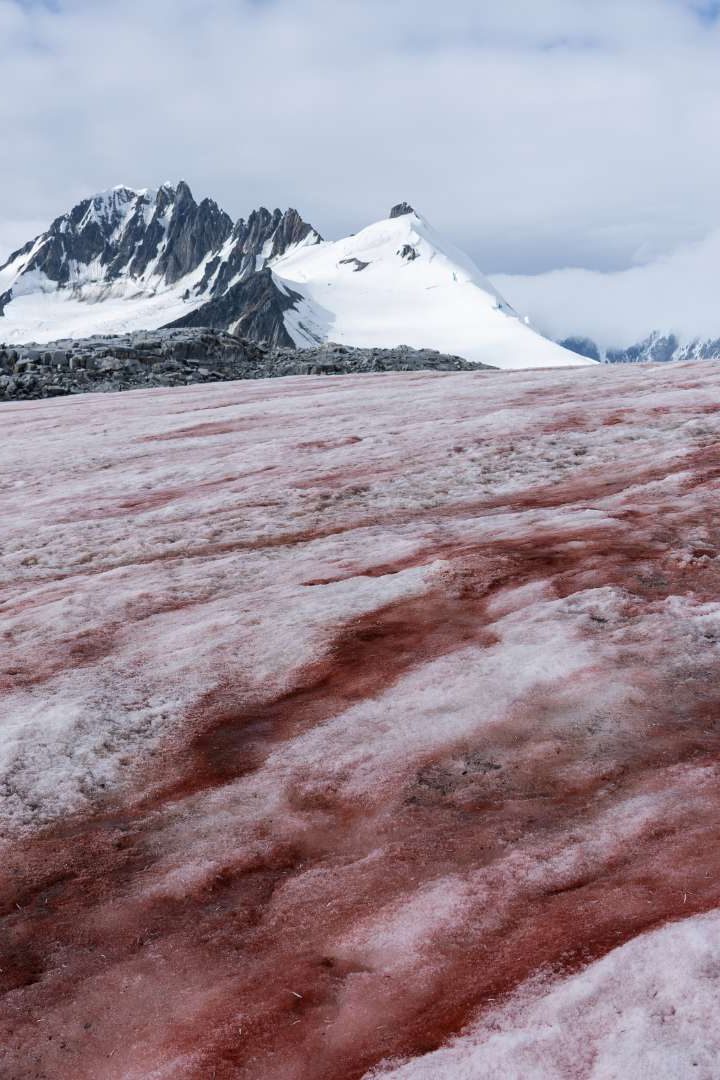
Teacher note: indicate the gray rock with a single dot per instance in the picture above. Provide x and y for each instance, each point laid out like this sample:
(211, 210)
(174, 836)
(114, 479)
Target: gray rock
(254, 308)
(401, 209)
(357, 264)
(183, 355)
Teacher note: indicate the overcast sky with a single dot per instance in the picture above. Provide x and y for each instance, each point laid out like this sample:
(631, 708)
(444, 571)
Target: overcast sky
(539, 134)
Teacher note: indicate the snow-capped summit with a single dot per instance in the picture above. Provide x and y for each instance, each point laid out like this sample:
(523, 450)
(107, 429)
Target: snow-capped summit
(397, 282)
(128, 260)
(143, 235)
(125, 260)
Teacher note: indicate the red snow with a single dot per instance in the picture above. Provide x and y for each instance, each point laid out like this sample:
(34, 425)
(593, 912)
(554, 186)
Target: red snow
(327, 731)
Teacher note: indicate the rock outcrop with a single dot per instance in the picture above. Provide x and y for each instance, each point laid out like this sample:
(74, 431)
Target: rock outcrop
(401, 209)
(180, 357)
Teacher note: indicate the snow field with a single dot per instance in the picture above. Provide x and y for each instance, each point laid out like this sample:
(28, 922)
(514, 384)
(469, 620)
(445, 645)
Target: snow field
(362, 724)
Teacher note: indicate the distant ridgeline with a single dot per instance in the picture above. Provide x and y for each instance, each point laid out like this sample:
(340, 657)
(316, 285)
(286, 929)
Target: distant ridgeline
(656, 348)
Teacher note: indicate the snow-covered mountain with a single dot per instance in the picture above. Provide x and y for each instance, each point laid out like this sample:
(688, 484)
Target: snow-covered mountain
(398, 282)
(128, 260)
(131, 260)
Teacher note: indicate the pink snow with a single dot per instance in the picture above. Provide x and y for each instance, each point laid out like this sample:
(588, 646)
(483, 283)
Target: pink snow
(363, 726)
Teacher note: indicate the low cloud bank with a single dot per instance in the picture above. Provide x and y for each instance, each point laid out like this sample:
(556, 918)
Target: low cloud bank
(676, 293)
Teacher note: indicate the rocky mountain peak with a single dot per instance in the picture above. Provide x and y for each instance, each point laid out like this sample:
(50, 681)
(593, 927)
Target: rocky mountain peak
(291, 230)
(122, 232)
(401, 209)
(183, 192)
(275, 230)
(160, 242)
(264, 236)
(191, 234)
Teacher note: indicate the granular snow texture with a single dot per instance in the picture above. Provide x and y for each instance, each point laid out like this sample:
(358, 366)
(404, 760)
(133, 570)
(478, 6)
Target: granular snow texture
(363, 727)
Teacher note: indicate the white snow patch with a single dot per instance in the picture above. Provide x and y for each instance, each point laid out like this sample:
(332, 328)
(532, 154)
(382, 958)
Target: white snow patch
(646, 1010)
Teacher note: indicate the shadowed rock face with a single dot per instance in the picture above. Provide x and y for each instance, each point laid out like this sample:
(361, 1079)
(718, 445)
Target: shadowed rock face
(345, 717)
(263, 236)
(253, 308)
(253, 297)
(193, 232)
(582, 346)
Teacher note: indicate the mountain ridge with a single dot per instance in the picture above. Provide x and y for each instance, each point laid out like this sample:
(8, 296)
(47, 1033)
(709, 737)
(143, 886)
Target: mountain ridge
(655, 348)
(127, 259)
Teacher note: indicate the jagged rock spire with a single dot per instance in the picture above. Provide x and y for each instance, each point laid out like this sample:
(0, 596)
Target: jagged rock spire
(401, 209)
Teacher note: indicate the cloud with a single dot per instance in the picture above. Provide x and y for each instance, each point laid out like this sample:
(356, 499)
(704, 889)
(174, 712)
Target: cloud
(676, 294)
(574, 132)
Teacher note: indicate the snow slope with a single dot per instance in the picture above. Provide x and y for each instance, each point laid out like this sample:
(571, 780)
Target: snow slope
(44, 312)
(363, 724)
(397, 282)
(646, 1011)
